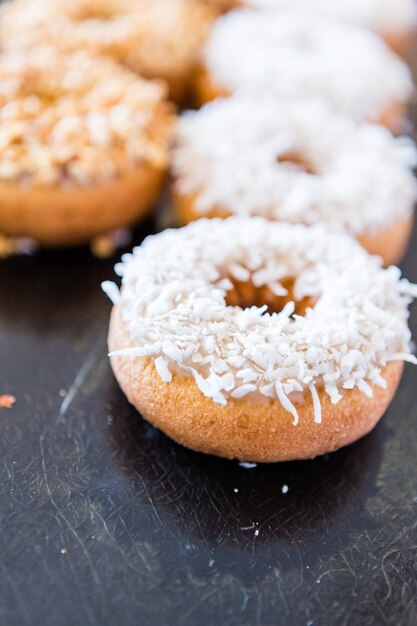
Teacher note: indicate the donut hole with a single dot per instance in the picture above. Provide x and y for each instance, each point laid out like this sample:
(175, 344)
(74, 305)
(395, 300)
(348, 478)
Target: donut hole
(296, 161)
(246, 295)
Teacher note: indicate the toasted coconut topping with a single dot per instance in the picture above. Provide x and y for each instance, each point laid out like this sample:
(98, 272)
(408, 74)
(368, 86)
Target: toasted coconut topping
(77, 119)
(297, 161)
(174, 303)
(383, 16)
(297, 53)
(152, 38)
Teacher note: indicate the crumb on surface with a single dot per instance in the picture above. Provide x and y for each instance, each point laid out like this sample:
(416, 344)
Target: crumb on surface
(7, 247)
(105, 245)
(7, 401)
(248, 465)
(10, 246)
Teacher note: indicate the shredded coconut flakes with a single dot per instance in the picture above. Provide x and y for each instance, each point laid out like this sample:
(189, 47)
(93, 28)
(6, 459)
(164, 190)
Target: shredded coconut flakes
(297, 53)
(228, 155)
(173, 302)
(383, 16)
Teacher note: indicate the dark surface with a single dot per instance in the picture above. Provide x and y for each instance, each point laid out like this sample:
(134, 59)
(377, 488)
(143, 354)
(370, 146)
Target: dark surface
(155, 534)
(104, 521)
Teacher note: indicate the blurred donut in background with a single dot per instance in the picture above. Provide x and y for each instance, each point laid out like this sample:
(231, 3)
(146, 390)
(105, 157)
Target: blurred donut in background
(299, 54)
(154, 38)
(296, 161)
(84, 145)
(395, 22)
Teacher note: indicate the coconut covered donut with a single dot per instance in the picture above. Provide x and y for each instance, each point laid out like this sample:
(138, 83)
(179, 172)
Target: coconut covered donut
(154, 38)
(299, 54)
(297, 161)
(395, 21)
(257, 340)
(84, 146)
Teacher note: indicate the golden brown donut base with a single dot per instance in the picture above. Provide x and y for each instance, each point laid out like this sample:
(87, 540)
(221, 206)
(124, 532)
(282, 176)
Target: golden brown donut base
(243, 429)
(222, 6)
(400, 42)
(389, 243)
(205, 90)
(71, 215)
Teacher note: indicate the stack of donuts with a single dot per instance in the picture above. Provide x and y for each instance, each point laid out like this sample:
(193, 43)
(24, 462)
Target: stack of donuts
(272, 324)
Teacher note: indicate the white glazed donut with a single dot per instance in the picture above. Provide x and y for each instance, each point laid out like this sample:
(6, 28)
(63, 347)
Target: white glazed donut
(295, 53)
(394, 21)
(197, 351)
(296, 161)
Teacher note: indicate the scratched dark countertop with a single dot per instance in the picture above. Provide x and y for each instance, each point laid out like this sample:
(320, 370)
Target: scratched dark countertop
(104, 521)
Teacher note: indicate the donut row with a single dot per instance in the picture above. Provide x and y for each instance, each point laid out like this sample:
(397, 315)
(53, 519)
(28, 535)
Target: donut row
(83, 156)
(266, 332)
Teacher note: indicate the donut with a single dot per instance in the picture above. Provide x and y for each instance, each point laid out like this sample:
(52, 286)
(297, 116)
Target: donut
(297, 161)
(154, 38)
(84, 146)
(260, 341)
(395, 21)
(299, 54)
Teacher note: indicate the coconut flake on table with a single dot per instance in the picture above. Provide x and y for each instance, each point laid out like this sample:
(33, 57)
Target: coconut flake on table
(176, 312)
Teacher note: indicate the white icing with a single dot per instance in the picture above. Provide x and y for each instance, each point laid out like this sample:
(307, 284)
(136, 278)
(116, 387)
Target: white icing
(173, 303)
(227, 155)
(296, 53)
(383, 16)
